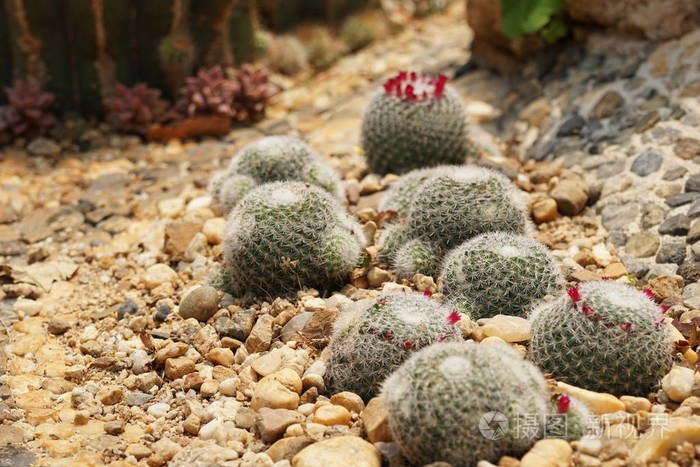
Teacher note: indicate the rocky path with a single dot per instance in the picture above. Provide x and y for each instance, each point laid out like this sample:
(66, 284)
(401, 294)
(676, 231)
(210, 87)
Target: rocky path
(104, 361)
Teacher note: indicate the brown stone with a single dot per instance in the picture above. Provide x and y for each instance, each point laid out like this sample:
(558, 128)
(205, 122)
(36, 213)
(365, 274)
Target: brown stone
(273, 422)
(571, 197)
(261, 336)
(287, 448)
(320, 325)
(687, 148)
(375, 420)
(544, 210)
(178, 367)
(178, 235)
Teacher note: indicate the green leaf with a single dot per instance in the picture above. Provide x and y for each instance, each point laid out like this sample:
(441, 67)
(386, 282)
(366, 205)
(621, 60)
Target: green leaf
(520, 17)
(554, 30)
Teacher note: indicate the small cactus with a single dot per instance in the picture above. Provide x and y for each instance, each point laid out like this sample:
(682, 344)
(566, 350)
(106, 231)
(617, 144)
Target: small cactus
(367, 346)
(272, 159)
(402, 193)
(465, 402)
(499, 273)
(569, 419)
(449, 208)
(285, 236)
(602, 336)
(414, 121)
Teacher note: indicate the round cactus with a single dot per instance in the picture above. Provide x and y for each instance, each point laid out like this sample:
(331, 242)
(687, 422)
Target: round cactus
(367, 346)
(499, 273)
(465, 402)
(283, 236)
(414, 121)
(401, 194)
(569, 419)
(602, 336)
(417, 257)
(271, 159)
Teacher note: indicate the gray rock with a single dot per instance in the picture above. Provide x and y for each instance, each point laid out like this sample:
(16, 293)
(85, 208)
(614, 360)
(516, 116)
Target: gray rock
(675, 225)
(690, 271)
(691, 290)
(646, 163)
(694, 209)
(661, 269)
(618, 216)
(671, 252)
(653, 214)
(674, 174)
(200, 303)
(693, 182)
(571, 126)
(610, 169)
(294, 325)
(694, 232)
(15, 456)
(682, 198)
(642, 244)
(636, 267)
(138, 398)
(243, 323)
(617, 238)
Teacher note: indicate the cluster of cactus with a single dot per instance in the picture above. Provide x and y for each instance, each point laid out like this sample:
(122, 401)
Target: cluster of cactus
(447, 209)
(134, 108)
(271, 159)
(241, 97)
(414, 121)
(401, 194)
(284, 236)
(465, 402)
(499, 273)
(603, 336)
(28, 112)
(368, 345)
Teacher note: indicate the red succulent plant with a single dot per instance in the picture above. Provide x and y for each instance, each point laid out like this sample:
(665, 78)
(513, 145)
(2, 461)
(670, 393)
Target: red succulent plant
(28, 112)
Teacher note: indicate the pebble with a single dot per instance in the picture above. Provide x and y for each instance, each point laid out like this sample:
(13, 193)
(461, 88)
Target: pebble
(221, 356)
(671, 252)
(280, 390)
(286, 448)
(273, 422)
(341, 451)
(377, 276)
(571, 197)
(642, 244)
(261, 335)
(229, 386)
(646, 163)
(159, 409)
(598, 403)
(661, 438)
(200, 303)
(158, 274)
(213, 229)
(678, 383)
(548, 453)
(693, 182)
(375, 419)
(330, 415)
(178, 367)
(636, 404)
(544, 210)
(349, 400)
(675, 225)
(508, 328)
(110, 396)
(608, 105)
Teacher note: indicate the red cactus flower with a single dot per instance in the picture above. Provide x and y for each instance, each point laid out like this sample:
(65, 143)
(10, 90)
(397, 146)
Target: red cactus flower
(605, 278)
(626, 326)
(388, 336)
(407, 344)
(664, 309)
(415, 87)
(428, 293)
(563, 403)
(453, 317)
(649, 293)
(587, 311)
(574, 294)
(374, 331)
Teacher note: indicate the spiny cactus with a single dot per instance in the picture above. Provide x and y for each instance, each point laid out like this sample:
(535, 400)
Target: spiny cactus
(602, 336)
(417, 257)
(28, 112)
(414, 121)
(401, 194)
(285, 236)
(272, 159)
(368, 345)
(441, 403)
(569, 419)
(499, 273)
(449, 208)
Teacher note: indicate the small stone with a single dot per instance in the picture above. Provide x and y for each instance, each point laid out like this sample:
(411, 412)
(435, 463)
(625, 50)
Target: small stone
(214, 229)
(159, 409)
(261, 335)
(694, 210)
(548, 453)
(178, 367)
(273, 422)
(200, 303)
(571, 197)
(642, 244)
(682, 199)
(44, 147)
(661, 438)
(229, 386)
(693, 182)
(16, 456)
(653, 215)
(636, 404)
(678, 383)
(671, 253)
(330, 415)
(607, 105)
(598, 403)
(646, 163)
(690, 272)
(278, 391)
(619, 216)
(508, 328)
(615, 270)
(158, 274)
(375, 419)
(192, 424)
(320, 326)
(674, 173)
(287, 448)
(675, 225)
(687, 148)
(137, 398)
(110, 396)
(289, 331)
(115, 427)
(341, 451)
(129, 307)
(544, 210)
(221, 356)
(163, 450)
(58, 327)
(209, 388)
(349, 400)
(377, 276)
(571, 126)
